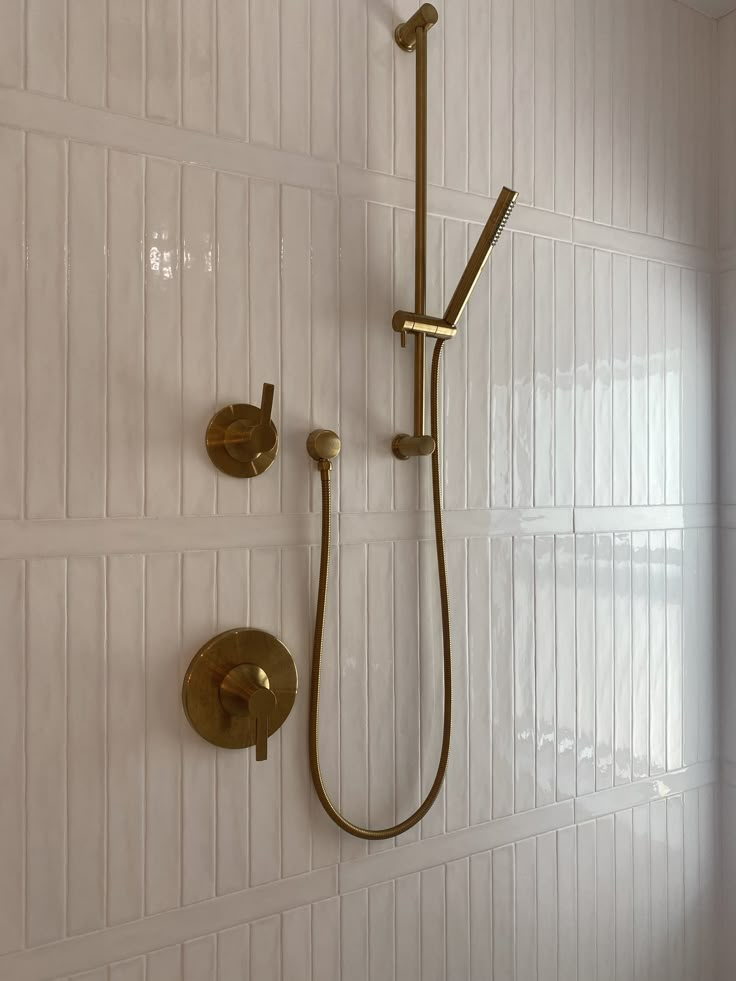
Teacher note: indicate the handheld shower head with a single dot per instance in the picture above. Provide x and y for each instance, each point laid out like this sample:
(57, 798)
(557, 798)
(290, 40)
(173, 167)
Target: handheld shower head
(488, 237)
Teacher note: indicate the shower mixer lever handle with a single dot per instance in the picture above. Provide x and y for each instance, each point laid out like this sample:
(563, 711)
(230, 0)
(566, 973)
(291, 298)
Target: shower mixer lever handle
(242, 440)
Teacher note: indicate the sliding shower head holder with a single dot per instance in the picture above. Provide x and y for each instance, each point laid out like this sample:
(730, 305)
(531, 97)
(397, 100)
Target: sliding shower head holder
(241, 439)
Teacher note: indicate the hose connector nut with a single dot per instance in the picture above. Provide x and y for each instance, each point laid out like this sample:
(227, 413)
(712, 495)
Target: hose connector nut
(323, 445)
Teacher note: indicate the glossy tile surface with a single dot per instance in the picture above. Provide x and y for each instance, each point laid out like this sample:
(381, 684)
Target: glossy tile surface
(198, 198)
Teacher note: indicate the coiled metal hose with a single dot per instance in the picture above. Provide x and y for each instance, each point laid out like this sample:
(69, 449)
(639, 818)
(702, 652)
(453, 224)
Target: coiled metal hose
(324, 468)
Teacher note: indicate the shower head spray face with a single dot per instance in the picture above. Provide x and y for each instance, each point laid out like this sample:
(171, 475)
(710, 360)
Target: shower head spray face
(488, 237)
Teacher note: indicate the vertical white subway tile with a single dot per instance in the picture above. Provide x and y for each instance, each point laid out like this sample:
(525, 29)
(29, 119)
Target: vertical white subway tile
(163, 67)
(86, 400)
(584, 107)
(479, 675)
(264, 299)
(564, 106)
(564, 377)
(46, 752)
(408, 928)
(689, 435)
(675, 888)
(642, 893)
(502, 95)
(456, 29)
(455, 379)
(163, 826)
(585, 658)
(584, 378)
(480, 914)
(688, 130)
(708, 138)
(656, 371)
(673, 416)
(433, 924)
(232, 68)
(545, 669)
(624, 892)
(164, 965)
(710, 878)
(639, 384)
(622, 655)
(296, 953)
(526, 908)
(564, 576)
(524, 675)
(352, 593)
(544, 374)
(523, 99)
(380, 89)
(86, 51)
(198, 958)
(436, 121)
(691, 647)
(45, 51)
(381, 688)
(12, 747)
(295, 76)
(126, 737)
(198, 72)
(46, 340)
(602, 379)
(639, 70)
(605, 874)
(657, 653)
(353, 83)
(430, 687)
(296, 789)
(544, 104)
(232, 318)
(163, 396)
(604, 661)
(587, 906)
(458, 776)
(621, 382)
(567, 902)
(198, 760)
(231, 809)
(640, 638)
(502, 676)
(478, 395)
(380, 342)
(672, 82)
(674, 639)
(125, 58)
(354, 935)
(353, 374)
(705, 387)
(604, 83)
(523, 372)
(404, 105)
(707, 645)
(125, 335)
(12, 274)
(265, 949)
(621, 115)
(479, 97)
(657, 12)
(658, 879)
(324, 115)
(198, 336)
(381, 932)
(326, 940)
(265, 808)
(12, 18)
(547, 909)
(726, 182)
(86, 750)
(501, 373)
(503, 921)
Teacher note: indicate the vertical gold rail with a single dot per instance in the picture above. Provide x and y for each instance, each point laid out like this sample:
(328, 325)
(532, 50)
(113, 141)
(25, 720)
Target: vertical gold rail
(420, 226)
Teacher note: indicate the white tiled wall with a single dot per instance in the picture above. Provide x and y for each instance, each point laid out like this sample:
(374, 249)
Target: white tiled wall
(196, 198)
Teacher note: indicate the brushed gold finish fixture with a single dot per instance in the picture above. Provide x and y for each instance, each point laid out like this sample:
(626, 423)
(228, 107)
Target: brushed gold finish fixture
(323, 446)
(239, 689)
(241, 439)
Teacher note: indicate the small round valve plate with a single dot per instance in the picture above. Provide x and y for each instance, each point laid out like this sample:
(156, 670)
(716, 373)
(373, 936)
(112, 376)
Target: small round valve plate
(201, 688)
(216, 441)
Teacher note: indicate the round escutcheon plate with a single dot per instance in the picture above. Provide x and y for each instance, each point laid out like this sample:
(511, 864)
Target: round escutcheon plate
(207, 670)
(216, 440)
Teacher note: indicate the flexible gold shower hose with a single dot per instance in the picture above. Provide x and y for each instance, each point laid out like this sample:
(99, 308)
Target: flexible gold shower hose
(324, 468)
